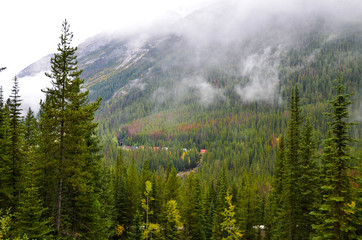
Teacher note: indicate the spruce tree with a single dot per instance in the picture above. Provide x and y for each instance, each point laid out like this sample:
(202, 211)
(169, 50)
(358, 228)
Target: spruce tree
(291, 193)
(193, 209)
(16, 139)
(335, 214)
(247, 206)
(6, 190)
(222, 187)
(172, 185)
(276, 223)
(210, 210)
(134, 193)
(120, 191)
(31, 132)
(30, 216)
(308, 182)
(295, 180)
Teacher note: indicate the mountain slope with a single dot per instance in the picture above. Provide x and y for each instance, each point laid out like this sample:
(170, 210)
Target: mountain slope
(221, 81)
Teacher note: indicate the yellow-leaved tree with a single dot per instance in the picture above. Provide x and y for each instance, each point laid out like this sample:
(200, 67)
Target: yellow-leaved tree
(228, 223)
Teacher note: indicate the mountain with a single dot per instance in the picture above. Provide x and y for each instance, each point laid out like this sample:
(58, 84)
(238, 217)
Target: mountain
(220, 78)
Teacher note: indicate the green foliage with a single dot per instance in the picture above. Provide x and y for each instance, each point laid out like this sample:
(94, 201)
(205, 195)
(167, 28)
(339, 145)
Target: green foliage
(136, 232)
(192, 212)
(16, 154)
(69, 148)
(276, 222)
(6, 188)
(336, 211)
(172, 187)
(222, 186)
(120, 191)
(309, 180)
(296, 180)
(30, 217)
(5, 224)
(173, 221)
(247, 206)
(64, 187)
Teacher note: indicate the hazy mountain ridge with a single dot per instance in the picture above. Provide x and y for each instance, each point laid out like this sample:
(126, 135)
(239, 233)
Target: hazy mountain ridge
(209, 38)
(210, 62)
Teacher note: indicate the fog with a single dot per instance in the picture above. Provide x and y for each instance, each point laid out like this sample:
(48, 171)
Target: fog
(29, 91)
(204, 92)
(261, 69)
(254, 32)
(260, 26)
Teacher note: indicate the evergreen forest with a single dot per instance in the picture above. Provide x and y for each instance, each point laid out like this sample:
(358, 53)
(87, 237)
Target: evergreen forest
(100, 160)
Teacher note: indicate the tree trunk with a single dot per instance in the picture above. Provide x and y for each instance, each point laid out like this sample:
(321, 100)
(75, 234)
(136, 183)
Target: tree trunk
(60, 183)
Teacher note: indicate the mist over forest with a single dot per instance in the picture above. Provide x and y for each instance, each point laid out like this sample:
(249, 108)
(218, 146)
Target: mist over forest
(229, 120)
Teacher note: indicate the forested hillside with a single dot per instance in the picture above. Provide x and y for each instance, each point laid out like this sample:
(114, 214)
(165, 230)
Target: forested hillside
(249, 135)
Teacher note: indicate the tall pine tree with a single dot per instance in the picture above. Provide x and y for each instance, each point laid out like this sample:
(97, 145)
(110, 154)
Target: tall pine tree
(69, 146)
(291, 193)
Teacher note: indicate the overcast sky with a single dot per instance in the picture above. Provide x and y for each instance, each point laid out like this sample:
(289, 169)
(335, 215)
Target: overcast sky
(31, 29)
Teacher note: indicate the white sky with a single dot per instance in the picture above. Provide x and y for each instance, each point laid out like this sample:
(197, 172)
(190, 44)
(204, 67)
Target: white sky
(30, 29)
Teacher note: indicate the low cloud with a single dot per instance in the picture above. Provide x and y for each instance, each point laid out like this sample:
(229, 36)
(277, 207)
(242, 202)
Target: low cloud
(137, 83)
(262, 71)
(30, 91)
(204, 92)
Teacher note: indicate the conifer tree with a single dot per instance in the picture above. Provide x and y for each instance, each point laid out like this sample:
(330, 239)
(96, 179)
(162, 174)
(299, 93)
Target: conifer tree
(308, 181)
(173, 221)
(222, 187)
(172, 185)
(358, 221)
(156, 203)
(16, 139)
(103, 189)
(31, 133)
(247, 206)
(291, 193)
(119, 191)
(193, 209)
(69, 146)
(335, 214)
(30, 216)
(133, 190)
(295, 180)
(210, 210)
(6, 190)
(136, 232)
(276, 223)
